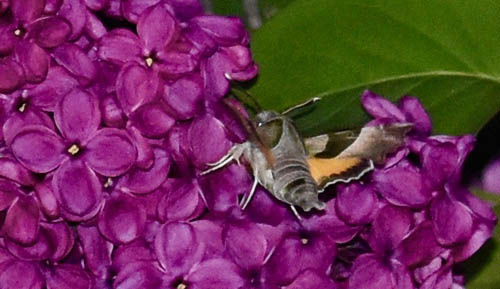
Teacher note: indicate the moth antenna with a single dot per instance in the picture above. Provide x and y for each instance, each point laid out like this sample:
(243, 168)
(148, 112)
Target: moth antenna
(300, 105)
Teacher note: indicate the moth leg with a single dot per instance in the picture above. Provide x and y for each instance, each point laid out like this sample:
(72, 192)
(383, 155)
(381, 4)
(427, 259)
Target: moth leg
(294, 210)
(244, 203)
(233, 154)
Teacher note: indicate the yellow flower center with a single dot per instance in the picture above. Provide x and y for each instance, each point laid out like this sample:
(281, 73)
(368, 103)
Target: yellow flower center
(18, 32)
(22, 107)
(73, 149)
(108, 183)
(149, 61)
(304, 241)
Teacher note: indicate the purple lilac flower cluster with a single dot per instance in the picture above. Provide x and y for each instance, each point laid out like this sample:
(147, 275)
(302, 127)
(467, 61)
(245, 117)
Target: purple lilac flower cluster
(105, 129)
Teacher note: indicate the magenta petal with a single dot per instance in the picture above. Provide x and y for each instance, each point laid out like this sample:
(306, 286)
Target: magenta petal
(11, 75)
(74, 12)
(119, 46)
(62, 239)
(97, 251)
(111, 113)
(11, 169)
(111, 152)
(389, 228)
(173, 64)
(96, 4)
(420, 247)
(27, 10)
(145, 157)
(41, 249)
(225, 30)
(132, 9)
(50, 32)
(19, 121)
(48, 93)
(186, 9)
(370, 272)
(355, 204)
(94, 27)
(283, 266)
(491, 177)
(38, 148)
(184, 97)
(8, 194)
(74, 59)
(482, 231)
(21, 275)
(181, 201)
(416, 114)
(52, 6)
(77, 115)
(66, 276)
(215, 71)
(142, 181)
(310, 279)
(402, 185)
(136, 275)
(22, 221)
(178, 248)
(379, 107)
(207, 275)
(152, 120)
(246, 243)
(34, 61)
(135, 85)
(122, 219)
(156, 28)
(47, 199)
(78, 190)
(137, 251)
(7, 37)
(451, 220)
(210, 233)
(208, 140)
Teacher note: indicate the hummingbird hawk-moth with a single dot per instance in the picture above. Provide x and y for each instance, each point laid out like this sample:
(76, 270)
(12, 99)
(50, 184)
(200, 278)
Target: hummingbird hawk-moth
(295, 169)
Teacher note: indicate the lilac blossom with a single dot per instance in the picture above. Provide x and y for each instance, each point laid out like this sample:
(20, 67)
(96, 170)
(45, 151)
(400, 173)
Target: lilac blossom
(105, 131)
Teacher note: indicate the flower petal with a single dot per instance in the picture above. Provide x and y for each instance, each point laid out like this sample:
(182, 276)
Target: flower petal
(210, 233)
(142, 275)
(206, 275)
(111, 152)
(490, 178)
(416, 114)
(21, 275)
(451, 220)
(246, 244)
(402, 185)
(145, 156)
(74, 59)
(379, 107)
(132, 9)
(371, 273)
(48, 93)
(181, 201)
(111, 113)
(389, 228)
(74, 12)
(310, 279)
(174, 64)
(152, 120)
(97, 251)
(177, 248)
(482, 231)
(34, 61)
(142, 181)
(420, 247)
(283, 266)
(184, 97)
(122, 220)
(41, 249)
(8, 194)
(27, 10)
(77, 115)
(135, 86)
(18, 121)
(119, 46)
(61, 237)
(355, 203)
(156, 28)
(226, 31)
(50, 32)
(137, 251)
(11, 169)
(186, 9)
(52, 6)
(68, 276)
(22, 221)
(47, 199)
(11, 75)
(77, 190)
(208, 140)
(38, 148)
(94, 27)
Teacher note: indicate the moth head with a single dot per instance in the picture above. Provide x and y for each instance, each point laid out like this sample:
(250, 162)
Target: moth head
(269, 127)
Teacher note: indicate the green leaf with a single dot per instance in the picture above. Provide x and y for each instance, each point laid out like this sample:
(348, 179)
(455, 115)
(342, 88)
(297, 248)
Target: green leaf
(445, 52)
